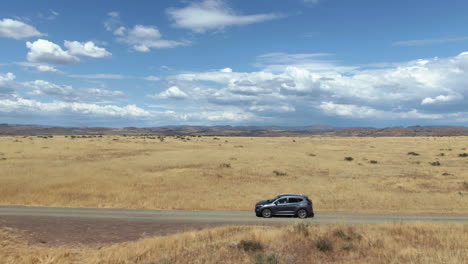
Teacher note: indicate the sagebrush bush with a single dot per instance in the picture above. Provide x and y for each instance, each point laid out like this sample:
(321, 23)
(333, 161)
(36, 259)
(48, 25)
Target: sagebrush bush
(324, 244)
(280, 173)
(348, 158)
(250, 245)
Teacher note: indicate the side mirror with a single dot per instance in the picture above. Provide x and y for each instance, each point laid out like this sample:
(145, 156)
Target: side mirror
(276, 203)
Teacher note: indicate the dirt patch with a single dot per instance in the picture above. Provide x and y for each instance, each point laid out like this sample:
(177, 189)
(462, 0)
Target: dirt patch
(56, 231)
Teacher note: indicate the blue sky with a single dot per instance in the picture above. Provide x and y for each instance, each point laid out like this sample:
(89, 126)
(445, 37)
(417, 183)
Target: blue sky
(220, 62)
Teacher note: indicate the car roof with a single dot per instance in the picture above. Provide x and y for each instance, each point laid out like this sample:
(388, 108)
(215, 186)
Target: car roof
(292, 194)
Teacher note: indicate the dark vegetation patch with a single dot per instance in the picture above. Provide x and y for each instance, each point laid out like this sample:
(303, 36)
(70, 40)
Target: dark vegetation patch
(250, 245)
(280, 173)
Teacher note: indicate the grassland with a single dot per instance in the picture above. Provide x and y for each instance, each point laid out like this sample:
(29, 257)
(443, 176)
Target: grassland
(300, 243)
(422, 174)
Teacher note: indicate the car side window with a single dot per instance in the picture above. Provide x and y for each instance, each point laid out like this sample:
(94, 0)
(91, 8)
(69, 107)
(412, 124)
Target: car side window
(295, 200)
(281, 201)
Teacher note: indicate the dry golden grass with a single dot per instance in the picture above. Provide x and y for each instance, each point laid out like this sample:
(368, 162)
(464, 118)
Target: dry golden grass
(300, 243)
(231, 173)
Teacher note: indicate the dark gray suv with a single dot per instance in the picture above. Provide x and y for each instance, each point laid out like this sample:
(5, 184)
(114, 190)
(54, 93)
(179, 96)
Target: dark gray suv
(286, 204)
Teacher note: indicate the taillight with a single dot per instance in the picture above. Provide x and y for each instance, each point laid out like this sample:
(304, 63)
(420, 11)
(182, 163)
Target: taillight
(309, 203)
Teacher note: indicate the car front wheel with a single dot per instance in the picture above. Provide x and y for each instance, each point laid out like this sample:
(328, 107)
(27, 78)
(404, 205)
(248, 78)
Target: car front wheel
(266, 213)
(302, 214)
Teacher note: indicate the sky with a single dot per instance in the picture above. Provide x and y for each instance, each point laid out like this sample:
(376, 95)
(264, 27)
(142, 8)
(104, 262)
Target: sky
(225, 62)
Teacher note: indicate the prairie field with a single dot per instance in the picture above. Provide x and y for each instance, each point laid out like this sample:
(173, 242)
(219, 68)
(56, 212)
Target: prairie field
(298, 243)
(387, 175)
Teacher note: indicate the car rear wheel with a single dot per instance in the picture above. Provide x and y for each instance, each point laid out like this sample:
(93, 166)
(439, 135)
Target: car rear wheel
(302, 214)
(266, 213)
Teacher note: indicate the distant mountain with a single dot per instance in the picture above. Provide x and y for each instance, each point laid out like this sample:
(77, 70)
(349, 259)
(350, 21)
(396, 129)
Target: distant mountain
(249, 131)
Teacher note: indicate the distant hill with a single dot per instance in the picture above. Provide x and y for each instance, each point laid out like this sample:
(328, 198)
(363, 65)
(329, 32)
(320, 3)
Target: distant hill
(249, 131)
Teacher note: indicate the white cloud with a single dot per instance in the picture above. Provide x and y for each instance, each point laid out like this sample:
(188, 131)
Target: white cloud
(41, 87)
(144, 38)
(112, 23)
(44, 68)
(22, 105)
(44, 51)
(151, 78)
(102, 93)
(10, 28)
(120, 31)
(88, 49)
(7, 77)
(396, 91)
(226, 70)
(212, 14)
(440, 99)
(7, 86)
(172, 92)
(100, 76)
(349, 110)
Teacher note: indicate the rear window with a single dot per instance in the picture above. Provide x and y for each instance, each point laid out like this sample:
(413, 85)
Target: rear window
(295, 200)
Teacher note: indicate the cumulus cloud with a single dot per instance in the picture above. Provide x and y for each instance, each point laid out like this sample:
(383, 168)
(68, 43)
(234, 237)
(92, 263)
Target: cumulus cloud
(440, 99)
(172, 92)
(44, 51)
(15, 29)
(88, 49)
(144, 38)
(41, 87)
(397, 91)
(7, 84)
(212, 14)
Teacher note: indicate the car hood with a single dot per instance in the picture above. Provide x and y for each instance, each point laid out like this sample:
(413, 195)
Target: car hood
(263, 202)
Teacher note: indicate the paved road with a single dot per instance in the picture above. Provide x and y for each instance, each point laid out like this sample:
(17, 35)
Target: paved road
(235, 217)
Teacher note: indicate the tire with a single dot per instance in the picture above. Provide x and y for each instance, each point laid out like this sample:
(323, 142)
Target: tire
(266, 213)
(312, 215)
(302, 214)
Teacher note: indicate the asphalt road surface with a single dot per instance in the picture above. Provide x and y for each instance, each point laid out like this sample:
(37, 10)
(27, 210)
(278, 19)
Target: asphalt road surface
(53, 225)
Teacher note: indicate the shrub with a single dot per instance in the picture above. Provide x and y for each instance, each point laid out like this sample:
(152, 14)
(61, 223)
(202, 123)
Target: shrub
(373, 162)
(441, 154)
(250, 245)
(348, 158)
(280, 173)
(263, 259)
(435, 163)
(413, 153)
(324, 244)
(463, 155)
(465, 185)
(225, 165)
(311, 154)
